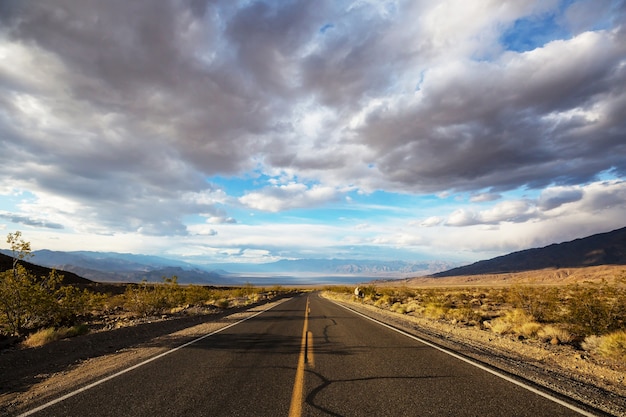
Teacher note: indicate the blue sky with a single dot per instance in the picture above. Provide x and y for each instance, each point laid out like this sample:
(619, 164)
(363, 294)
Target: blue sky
(245, 131)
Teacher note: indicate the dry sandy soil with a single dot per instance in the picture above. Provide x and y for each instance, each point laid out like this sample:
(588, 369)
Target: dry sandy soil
(552, 276)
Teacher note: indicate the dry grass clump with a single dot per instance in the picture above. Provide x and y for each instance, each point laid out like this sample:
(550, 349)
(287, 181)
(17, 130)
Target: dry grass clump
(530, 329)
(413, 307)
(555, 335)
(385, 301)
(398, 308)
(514, 321)
(464, 315)
(610, 346)
(50, 334)
(435, 311)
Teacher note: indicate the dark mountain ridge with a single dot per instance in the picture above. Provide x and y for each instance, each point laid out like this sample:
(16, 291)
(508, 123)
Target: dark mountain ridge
(600, 249)
(6, 263)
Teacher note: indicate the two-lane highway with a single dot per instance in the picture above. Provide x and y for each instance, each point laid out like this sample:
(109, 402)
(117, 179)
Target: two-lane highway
(306, 356)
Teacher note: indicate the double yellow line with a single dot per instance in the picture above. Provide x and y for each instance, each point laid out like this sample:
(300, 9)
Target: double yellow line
(305, 358)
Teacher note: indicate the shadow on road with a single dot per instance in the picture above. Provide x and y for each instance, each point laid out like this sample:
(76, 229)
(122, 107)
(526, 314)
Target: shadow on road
(22, 368)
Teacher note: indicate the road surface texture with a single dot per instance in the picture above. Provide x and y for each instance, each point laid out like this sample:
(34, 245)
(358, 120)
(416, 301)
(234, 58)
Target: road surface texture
(307, 357)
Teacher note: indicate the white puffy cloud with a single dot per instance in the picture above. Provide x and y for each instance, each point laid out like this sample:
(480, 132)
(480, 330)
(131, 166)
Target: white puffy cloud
(589, 200)
(289, 196)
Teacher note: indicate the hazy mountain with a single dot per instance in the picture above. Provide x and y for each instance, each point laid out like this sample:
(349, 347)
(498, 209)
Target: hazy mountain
(601, 249)
(369, 268)
(105, 261)
(125, 267)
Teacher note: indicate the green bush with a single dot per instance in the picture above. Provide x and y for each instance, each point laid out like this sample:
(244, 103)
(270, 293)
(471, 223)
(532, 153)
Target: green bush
(148, 299)
(27, 302)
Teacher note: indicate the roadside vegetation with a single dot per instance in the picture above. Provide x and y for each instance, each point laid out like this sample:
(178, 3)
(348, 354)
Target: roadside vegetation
(39, 309)
(589, 316)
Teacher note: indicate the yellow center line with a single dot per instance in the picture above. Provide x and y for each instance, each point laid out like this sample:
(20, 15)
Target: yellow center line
(309, 357)
(295, 409)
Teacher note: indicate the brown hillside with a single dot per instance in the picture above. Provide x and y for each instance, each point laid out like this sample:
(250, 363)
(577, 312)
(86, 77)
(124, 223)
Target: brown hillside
(601, 249)
(552, 276)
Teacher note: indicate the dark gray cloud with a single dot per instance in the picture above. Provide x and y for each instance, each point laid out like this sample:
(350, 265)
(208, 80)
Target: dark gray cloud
(553, 198)
(534, 119)
(28, 221)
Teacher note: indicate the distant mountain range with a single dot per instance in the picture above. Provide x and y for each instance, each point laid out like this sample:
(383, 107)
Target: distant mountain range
(124, 267)
(370, 268)
(601, 249)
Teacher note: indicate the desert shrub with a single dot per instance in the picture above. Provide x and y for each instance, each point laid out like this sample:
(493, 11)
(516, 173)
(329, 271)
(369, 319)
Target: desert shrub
(71, 304)
(195, 294)
(555, 334)
(244, 291)
(463, 314)
(369, 292)
(413, 306)
(339, 289)
(591, 343)
(398, 308)
(542, 303)
(596, 309)
(223, 303)
(29, 302)
(511, 322)
(149, 299)
(500, 326)
(42, 337)
(497, 296)
(109, 302)
(435, 311)
(529, 329)
(385, 301)
(26, 301)
(611, 346)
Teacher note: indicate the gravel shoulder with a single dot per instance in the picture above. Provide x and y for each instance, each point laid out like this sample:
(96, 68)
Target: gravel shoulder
(560, 370)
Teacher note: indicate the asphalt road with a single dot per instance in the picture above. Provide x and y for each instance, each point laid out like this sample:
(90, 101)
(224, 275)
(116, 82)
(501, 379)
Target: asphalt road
(320, 361)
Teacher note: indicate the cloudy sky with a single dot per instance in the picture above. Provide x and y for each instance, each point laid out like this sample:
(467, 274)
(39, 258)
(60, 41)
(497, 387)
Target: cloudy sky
(253, 131)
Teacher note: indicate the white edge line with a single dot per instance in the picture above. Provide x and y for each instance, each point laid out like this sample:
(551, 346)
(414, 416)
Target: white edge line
(123, 371)
(476, 364)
